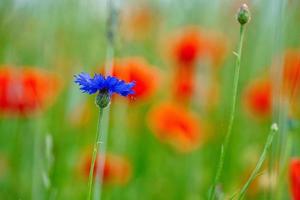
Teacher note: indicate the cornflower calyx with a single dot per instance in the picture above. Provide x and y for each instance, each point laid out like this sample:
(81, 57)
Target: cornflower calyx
(103, 98)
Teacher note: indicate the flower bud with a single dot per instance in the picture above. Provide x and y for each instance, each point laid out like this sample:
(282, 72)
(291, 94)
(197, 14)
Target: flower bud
(243, 15)
(274, 127)
(103, 99)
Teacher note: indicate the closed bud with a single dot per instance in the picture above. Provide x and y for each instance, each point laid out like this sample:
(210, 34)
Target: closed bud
(103, 99)
(274, 127)
(243, 15)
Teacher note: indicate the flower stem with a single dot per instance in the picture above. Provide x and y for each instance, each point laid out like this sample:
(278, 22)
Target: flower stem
(111, 31)
(94, 156)
(232, 113)
(36, 166)
(261, 160)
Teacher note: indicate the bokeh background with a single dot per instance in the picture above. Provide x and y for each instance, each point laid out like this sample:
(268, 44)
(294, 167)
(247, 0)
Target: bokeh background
(164, 142)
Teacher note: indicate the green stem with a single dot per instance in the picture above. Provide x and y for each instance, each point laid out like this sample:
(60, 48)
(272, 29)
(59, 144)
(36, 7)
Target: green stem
(110, 37)
(279, 187)
(232, 114)
(94, 156)
(101, 151)
(260, 162)
(36, 190)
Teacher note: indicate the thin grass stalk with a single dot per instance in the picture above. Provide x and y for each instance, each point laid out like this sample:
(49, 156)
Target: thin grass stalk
(15, 150)
(263, 156)
(280, 103)
(238, 55)
(37, 191)
(35, 167)
(280, 181)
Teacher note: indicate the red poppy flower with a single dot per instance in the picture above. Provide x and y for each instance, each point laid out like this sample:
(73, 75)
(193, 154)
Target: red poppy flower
(295, 178)
(23, 91)
(186, 47)
(258, 97)
(175, 125)
(116, 169)
(191, 44)
(138, 70)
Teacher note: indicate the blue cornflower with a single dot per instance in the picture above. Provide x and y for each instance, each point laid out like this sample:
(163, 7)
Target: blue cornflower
(105, 86)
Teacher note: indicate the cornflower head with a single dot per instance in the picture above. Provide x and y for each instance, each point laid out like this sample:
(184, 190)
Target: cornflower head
(105, 86)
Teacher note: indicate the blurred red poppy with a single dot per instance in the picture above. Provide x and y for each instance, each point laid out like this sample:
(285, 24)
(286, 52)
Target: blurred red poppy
(137, 69)
(175, 125)
(258, 97)
(116, 169)
(295, 178)
(191, 44)
(24, 91)
(187, 47)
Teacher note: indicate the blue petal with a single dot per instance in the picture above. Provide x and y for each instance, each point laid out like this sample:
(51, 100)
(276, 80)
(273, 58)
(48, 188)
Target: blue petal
(123, 88)
(85, 82)
(98, 82)
(111, 82)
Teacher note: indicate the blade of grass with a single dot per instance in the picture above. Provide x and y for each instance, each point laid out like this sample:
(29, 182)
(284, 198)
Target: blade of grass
(263, 156)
